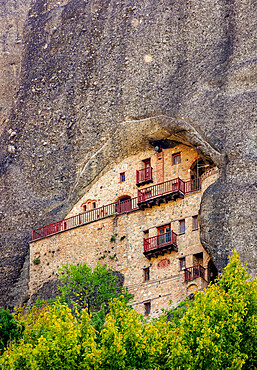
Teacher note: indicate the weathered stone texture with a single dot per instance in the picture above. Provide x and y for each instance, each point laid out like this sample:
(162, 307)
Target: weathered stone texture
(88, 68)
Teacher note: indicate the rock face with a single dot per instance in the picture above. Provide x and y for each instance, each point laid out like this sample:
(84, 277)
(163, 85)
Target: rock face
(89, 67)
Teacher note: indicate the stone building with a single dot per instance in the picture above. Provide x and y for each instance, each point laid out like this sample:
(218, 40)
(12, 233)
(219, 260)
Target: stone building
(141, 219)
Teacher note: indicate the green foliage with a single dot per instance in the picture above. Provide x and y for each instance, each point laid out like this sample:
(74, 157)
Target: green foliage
(218, 330)
(112, 257)
(36, 261)
(86, 287)
(54, 339)
(10, 329)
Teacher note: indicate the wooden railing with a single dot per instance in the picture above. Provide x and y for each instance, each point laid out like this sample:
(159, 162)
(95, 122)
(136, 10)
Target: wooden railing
(144, 175)
(161, 189)
(194, 272)
(86, 217)
(161, 240)
(117, 207)
(193, 185)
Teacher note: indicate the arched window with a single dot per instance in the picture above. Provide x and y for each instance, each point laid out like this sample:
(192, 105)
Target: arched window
(199, 167)
(89, 204)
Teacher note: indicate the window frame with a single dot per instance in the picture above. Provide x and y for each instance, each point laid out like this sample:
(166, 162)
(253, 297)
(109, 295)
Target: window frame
(147, 162)
(122, 177)
(195, 219)
(164, 227)
(175, 155)
(146, 273)
(182, 222)
(182, 266)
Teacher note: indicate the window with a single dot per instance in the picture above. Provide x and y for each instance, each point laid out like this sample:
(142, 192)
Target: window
(94, 205)
(176, 158)
(122, 176)
(164, 229)
(195, 222)
(147, 162)
(182, 227)
(85, 207)
(147, 308)
(182, 263)
(146, 274)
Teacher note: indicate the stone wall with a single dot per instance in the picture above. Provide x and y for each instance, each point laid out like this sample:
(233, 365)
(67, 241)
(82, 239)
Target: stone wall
(118, 240)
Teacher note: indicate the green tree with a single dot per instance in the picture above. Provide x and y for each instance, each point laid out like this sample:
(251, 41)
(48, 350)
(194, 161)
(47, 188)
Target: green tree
(9, 328)
(91, 288)
(219, 329)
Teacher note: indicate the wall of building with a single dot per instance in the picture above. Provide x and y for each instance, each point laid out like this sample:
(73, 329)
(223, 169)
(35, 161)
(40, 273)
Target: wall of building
(109, 188)
(118, 240)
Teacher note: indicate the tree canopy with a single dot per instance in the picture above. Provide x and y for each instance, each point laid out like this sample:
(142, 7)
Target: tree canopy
(90, 287)
(218, 330)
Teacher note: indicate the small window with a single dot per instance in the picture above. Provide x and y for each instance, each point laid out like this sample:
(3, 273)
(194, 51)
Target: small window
(122, 176)
(147, 308)
(94, 205)
(195, 222)
(182, 263)
(85, 207)
(146, 274)
(182, 227)
(176, 158)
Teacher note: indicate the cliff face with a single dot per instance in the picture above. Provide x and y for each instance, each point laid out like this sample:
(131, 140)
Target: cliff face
(90, 68)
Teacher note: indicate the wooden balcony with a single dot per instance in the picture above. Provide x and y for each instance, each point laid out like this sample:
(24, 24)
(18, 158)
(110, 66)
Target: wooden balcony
(160, 244)
(144, 176)
(161, 193)
(194, 272)
(119, 207)
(147, 197)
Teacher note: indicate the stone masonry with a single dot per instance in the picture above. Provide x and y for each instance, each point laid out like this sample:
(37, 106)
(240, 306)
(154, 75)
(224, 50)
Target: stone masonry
(118, 240)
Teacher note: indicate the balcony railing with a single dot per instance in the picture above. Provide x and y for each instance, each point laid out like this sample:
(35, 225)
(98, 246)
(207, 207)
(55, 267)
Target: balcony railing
(144, 176)
(193, 185)
(159, 241)
(86, 217)
(154, 191)
(194, 272)
(119, 207)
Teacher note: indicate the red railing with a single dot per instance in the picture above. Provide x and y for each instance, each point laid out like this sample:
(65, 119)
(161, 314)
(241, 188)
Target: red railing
(194, 272)
(117, 207)
(86, 217)
(193, 185)
(161, 189)
(146, 174)
(161, 240)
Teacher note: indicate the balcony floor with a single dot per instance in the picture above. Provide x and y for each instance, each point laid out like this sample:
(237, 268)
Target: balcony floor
(164, 198)
(160, 251)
